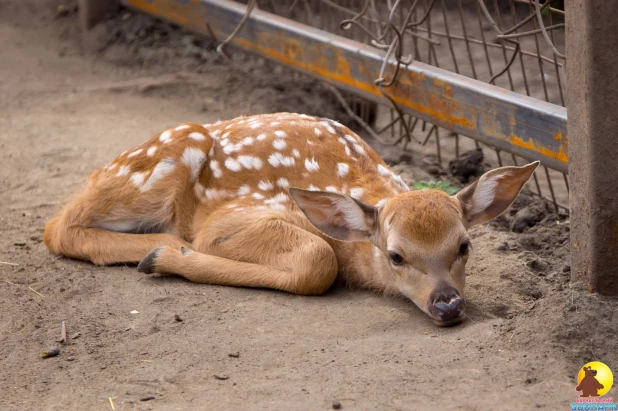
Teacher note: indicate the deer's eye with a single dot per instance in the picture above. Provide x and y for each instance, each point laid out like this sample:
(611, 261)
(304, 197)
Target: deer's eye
(464, 248)
(396, 259)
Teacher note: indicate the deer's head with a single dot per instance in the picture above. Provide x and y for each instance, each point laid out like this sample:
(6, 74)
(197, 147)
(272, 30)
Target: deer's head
(422, 235)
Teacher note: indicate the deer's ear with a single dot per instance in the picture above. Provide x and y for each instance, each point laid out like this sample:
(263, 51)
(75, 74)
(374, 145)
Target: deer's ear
(494, 192)
(337, 215)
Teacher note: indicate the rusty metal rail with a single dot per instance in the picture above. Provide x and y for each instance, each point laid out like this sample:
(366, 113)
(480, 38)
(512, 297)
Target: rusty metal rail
(509, 121)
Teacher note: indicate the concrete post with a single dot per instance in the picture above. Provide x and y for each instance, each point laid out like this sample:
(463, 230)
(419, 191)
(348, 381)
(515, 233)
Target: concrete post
(592, 103)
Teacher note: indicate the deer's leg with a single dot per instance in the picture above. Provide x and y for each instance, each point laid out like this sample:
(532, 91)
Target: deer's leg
(102, 246)
(114, 223)
(260, 251)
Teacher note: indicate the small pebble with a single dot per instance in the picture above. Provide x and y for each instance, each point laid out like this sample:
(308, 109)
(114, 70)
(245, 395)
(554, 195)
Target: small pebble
(147, 398)
(52, 352)
(221, 377)
(177, 318)
(336, 405)
(234, 354)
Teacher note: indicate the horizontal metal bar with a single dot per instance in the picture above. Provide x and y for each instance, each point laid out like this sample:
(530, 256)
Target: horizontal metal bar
(509, 121)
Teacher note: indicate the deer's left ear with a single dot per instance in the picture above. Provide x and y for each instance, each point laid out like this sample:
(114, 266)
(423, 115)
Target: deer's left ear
(494, 192)
(337, 215)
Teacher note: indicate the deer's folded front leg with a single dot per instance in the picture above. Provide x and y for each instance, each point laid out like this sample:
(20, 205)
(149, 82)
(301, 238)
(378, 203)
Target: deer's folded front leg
(260, 251)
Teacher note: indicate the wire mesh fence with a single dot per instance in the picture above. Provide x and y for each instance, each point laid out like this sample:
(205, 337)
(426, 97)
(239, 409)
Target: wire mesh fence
(514, 44)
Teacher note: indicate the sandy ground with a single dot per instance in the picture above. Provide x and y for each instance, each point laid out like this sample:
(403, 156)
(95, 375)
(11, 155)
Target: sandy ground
(70, 103)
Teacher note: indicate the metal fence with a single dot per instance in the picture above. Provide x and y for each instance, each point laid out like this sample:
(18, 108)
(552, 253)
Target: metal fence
(514, 44)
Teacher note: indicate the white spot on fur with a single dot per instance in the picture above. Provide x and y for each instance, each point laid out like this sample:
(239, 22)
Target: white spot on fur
(247, 141)
(138, 178)
(397, 180)
(317, 131)
(136, 152)
(328, 127)
(347, 151)
(359, 148)
(226, 134)
(313, 188)
(163, 168)
(257, 196)
(296, 153)
(110, 167)
(166, 136)
(123, 171)
(281, 134)
(255, 125)
(243, 190)
(279, 144)
(265, 185)
(342, 169)
(306, 117)
(250, 162)
(150, 152)
(214, 134)
(275, 123)
(229, 126)
(261, 137)
(232, 164)
(232, 148)
(278, 159)
(357, 192)
(217, 194)
(193, 158)
(225, 142)
(216, 169)
(331, 189)
(198, 189)
(197, 136)
(283, 182)
(350, 138)
(310, 142)
(311, 165)
(230, 206)
(342, 141)
(383, 171)
(279, 198)
(183, 127)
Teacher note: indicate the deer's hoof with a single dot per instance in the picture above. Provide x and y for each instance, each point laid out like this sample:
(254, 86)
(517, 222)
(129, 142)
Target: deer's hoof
(148, 264)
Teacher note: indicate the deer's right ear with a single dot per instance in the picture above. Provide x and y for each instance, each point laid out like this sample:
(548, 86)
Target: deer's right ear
(493, 193)
(337, 215)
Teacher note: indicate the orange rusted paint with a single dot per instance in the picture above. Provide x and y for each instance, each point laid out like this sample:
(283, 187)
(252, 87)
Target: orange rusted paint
(172, 10)
(495, 116)
(559, 155)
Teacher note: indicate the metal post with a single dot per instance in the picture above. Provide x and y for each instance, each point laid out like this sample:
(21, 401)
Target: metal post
(592, 102)
(92, 12)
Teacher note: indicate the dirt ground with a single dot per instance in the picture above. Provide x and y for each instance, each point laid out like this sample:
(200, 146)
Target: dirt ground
(69, 103)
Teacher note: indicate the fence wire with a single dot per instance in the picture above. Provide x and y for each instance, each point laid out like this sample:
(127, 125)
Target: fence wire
(514, 44)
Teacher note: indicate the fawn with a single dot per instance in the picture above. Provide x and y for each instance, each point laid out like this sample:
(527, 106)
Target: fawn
(282, 201)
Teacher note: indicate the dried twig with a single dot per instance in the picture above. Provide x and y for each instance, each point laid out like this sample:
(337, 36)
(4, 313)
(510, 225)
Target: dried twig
(6, 263)
(63, 333)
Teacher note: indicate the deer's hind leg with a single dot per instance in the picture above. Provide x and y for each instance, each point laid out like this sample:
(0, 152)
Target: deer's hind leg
(134, 205)
(256, 251)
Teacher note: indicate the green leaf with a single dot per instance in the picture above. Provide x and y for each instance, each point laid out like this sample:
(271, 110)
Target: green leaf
(436, 185)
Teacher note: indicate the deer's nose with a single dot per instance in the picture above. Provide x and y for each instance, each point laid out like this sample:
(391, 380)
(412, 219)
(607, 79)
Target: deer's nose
(448, 306)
